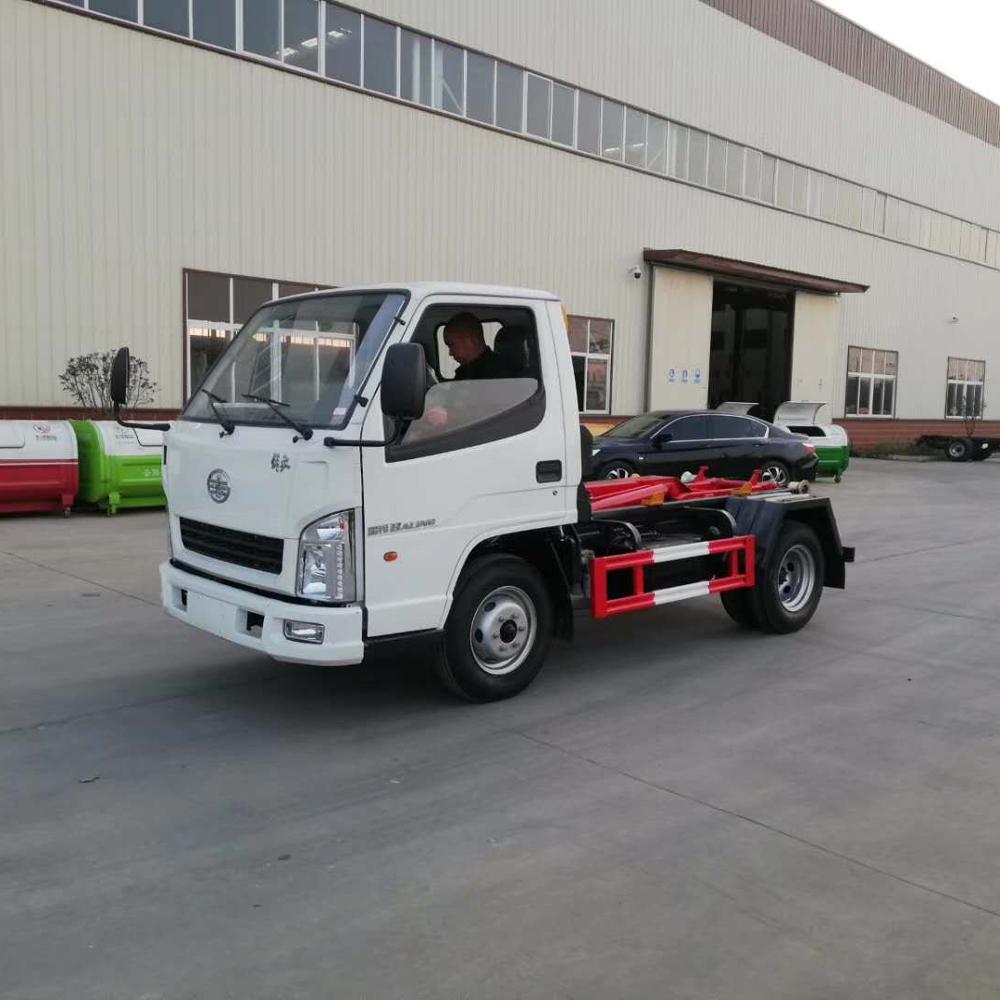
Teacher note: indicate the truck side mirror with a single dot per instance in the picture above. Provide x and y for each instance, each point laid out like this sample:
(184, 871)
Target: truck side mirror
(662, 438)
(119, 377)
(404, 382)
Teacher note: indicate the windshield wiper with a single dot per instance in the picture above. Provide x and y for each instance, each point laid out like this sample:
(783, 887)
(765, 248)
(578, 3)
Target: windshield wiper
(304, 432)
(227, 425)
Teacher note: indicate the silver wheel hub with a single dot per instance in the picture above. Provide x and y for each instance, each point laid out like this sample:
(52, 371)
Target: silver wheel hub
(775, 474)
(503, 630)
(617, 472)
(796, 578)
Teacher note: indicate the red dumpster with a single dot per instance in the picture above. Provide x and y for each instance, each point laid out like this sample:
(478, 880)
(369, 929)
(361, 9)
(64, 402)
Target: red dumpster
(38, 466)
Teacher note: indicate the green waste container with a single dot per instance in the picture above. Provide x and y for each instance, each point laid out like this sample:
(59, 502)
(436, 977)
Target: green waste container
(119, 466)
(833, 449)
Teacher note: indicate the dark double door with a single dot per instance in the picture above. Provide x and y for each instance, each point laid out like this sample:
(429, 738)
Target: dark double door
(751, 353)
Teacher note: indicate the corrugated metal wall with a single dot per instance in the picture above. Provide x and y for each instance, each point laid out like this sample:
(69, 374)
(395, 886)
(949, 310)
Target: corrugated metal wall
(126, 158)
(826, 35)
(687, 61)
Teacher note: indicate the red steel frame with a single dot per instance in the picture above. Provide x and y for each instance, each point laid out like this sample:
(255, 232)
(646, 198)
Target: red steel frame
(742, 548)
(652, 491)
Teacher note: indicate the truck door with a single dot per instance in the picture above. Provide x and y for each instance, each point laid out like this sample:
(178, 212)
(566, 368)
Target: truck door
(488, 458)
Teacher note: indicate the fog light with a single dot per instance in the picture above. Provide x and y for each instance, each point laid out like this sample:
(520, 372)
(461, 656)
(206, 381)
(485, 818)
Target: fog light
(304, 632)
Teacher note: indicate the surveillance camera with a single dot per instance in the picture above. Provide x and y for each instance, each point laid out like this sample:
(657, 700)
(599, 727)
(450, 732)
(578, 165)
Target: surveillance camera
(636, 272)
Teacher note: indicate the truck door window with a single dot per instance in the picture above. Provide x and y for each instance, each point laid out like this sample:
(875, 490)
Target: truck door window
(475, 397)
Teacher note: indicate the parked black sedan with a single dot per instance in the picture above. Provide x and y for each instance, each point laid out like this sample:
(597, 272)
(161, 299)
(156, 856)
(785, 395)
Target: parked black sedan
(669, 442)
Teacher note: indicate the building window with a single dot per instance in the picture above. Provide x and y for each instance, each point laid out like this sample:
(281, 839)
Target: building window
(166, 15)
(447, 77)
(538, 107)
(380, 56)
(635, 138)
(871, 382)
(563, 113)
(301, 42)
(965, 388)
(343, 44)
(125, 9)
(588, 123)
(479, 77)
(214, 22)
(215, 308)
(612, 128)
(590, 342)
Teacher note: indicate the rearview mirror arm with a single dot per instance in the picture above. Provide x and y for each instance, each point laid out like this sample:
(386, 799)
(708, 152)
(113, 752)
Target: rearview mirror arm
(397, 433)
(136, 425)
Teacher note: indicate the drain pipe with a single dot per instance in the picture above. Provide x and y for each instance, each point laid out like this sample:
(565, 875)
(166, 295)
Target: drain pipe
(647, 384)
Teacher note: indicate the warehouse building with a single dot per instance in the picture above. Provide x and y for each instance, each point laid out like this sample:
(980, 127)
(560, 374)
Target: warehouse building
(734, 199)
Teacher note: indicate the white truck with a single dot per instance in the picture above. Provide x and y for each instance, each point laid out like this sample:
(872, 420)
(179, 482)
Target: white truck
(336, 482)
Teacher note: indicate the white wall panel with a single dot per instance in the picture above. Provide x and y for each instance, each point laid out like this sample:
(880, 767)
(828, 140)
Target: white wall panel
(682, 301)
(816, 375)
(127, 158)
(683, 59)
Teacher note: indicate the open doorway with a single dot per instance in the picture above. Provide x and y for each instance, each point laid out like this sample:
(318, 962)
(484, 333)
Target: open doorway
(751, 355)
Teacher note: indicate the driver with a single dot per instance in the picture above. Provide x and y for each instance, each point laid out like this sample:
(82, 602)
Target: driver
(463, 334)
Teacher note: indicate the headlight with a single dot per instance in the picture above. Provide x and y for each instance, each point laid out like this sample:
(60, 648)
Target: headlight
(326, 559)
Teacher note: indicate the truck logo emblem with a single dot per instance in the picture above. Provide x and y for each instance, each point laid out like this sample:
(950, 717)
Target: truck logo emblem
(218, 486)
(280, 462)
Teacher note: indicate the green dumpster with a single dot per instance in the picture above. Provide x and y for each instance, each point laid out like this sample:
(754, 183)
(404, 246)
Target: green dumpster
(119, 466)
(833, 449)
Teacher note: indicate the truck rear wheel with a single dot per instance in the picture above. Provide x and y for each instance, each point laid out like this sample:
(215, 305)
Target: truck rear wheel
(959, 450)
(790, 585)
(498, 631)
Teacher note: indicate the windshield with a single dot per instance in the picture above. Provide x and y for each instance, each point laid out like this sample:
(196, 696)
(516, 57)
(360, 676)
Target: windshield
(634, 426)
(309, 356)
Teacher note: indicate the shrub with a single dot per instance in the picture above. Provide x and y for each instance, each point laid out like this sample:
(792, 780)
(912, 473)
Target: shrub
(87, 378)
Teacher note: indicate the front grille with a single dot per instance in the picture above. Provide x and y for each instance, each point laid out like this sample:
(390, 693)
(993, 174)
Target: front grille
(239, 547)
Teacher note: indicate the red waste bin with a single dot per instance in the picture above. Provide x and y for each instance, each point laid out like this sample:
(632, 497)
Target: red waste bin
(38, 466)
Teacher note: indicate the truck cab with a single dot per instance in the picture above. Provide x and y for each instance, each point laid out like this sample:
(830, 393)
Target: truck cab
(397, 461)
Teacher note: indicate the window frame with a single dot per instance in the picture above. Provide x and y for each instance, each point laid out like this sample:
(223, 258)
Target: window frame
(761, 428)
(680, 418)
(231, 326)
(966, 382)
(518, 419)
(871, 378)
(596, 356)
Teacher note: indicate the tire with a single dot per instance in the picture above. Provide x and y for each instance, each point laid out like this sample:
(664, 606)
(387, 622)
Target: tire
(981, 454)
(617, 470)
(522, 614)
(739, 607)
(777, 471)
(959, 450)
(790, 585)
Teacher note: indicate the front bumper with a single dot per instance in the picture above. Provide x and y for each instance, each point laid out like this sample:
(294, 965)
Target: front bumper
(231, 613)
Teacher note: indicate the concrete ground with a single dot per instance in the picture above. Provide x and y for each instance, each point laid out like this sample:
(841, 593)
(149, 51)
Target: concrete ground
(674, 809)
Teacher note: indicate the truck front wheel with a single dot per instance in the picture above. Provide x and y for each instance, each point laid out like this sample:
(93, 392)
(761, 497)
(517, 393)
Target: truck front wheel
(788, 589)
(498, 631)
